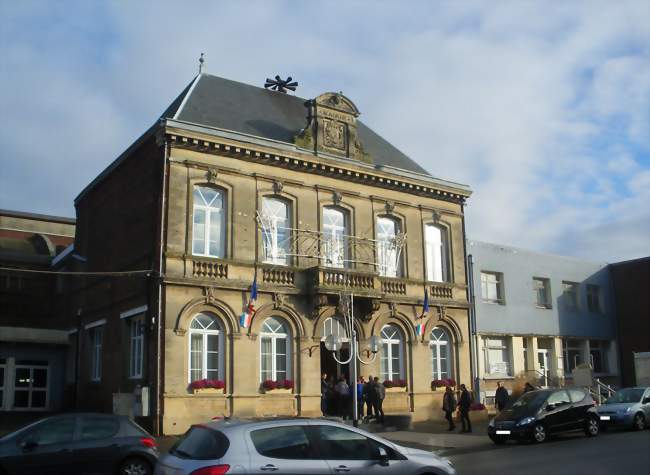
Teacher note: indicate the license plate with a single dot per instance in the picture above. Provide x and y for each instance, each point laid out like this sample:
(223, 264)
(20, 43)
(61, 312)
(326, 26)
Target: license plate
(605, 418)
(503, 432)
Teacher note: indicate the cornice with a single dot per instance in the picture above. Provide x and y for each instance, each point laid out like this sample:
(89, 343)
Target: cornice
(255, 153)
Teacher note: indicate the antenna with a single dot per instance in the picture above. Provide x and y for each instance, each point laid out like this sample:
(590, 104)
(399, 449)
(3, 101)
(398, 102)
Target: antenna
(201, 61)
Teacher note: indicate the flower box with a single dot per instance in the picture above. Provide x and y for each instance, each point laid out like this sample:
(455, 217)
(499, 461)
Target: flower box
(208, 391)
(278, 387)
(279, 391)
(396, 389)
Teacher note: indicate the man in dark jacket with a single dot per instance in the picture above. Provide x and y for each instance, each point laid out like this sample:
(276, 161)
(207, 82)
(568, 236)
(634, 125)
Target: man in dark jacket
(464, 404)
(369, 397)
(449, 405)
(324, 390)
(501, 397)
(380, 394)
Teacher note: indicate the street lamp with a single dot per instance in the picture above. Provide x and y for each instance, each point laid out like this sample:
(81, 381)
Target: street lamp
(334, 343)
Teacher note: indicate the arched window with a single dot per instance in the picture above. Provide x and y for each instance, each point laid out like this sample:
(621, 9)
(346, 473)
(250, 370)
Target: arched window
(436, 244)
(441, 354)
(276, 231)
(392, 353)
(335, 232)
(206, 348)
(209, 225)
(275, 350)
(388, 252)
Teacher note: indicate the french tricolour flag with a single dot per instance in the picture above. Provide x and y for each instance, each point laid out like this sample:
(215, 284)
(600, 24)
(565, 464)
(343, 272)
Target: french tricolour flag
(419, 328)
(247, 315)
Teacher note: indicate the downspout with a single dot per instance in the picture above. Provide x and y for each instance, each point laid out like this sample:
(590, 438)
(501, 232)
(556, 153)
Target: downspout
(158, 416)
(469, 277)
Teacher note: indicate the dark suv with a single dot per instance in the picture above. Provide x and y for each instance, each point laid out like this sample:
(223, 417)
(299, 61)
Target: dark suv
(538, 414)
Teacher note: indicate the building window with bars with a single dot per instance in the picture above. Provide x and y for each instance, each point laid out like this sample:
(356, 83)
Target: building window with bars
(492, 287)
(276, 231)
(209, 222)
(388, 248)
(335, 235)
(392, 353)
(542, 292)
(275, 350)
(436, 253)
(206, 348)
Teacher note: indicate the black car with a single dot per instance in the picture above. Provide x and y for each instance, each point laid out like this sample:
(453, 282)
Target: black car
(538, 414)
(79, 444)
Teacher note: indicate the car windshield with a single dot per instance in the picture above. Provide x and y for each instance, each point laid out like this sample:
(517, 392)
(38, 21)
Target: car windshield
(629, 395)
(530, 400)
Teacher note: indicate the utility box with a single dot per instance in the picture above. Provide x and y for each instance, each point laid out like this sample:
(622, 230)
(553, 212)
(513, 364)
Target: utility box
(141, 401)
(642, 368)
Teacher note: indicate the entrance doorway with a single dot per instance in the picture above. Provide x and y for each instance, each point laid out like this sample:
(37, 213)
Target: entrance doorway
(333, 368)
(542, 359)
(30, 385)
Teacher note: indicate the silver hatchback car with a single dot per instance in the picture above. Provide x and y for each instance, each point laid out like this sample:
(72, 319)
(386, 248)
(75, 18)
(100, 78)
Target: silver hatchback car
(629, 407)
(293, 446)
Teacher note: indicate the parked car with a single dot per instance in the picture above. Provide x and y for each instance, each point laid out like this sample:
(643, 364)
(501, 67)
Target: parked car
(629, 407)
(79, 444)
(292, 446)
(538, 414)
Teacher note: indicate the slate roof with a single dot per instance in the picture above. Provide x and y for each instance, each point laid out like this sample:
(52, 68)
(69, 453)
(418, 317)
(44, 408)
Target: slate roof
(217, 102)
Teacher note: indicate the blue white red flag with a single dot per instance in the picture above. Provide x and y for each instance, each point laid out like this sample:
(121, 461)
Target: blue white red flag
(419, 328)
(247, 315)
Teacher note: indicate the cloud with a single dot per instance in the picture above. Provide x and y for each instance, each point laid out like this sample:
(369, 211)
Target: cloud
(542, 108)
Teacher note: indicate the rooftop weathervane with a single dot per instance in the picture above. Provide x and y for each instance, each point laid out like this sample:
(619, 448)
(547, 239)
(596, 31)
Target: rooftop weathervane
(280, 85)
(201, 61)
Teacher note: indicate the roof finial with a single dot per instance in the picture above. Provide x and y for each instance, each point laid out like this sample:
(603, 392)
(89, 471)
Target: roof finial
(201, 61)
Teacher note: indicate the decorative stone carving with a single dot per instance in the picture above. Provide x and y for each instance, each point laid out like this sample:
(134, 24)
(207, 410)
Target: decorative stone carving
(337, 198)
(278, 186)
(211, 175)
(392, 306)
(375, 304)
(436, 216)
(210, 294)
(334, 134)
(442, 310)
(279, 300)
(389, 207)
(319, 302)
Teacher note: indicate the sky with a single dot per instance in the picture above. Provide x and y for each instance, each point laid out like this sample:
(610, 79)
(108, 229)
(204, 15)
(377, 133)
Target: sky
(543, 108)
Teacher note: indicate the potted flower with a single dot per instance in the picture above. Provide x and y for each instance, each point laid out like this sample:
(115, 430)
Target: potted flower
(282, 386)
(397, 385)
(216, 386)
(442, 383)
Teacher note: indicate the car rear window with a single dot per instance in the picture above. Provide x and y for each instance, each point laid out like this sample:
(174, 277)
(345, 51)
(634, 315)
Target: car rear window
(201, 443)
(97, 427)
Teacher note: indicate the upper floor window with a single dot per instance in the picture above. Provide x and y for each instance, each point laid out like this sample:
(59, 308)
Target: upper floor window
(542, 291)
(437, 267)
(206, 348)
(335, 235)
(570, 294)
(441, 353)
(275, 350)
(388, 250)
(209, 225)
(593, 298)
(276, 231)
(492, 287)
(136, 353)
(392, 351)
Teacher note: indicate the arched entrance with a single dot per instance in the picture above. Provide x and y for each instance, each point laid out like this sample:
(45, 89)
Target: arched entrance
(328, 364)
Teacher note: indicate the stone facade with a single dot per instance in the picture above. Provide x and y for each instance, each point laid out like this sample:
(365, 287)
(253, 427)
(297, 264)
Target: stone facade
(327, 165)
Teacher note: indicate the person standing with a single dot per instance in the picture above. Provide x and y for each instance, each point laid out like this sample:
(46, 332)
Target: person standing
(369, 397)
(449, 405)
(342, 391)
(360, 385)
(501, 397)
(464, 404)
(528, 387)
(380, 394)
(324, 390)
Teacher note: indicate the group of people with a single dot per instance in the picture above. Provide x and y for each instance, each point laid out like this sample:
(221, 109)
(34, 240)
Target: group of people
(337, 400)
(464, 404)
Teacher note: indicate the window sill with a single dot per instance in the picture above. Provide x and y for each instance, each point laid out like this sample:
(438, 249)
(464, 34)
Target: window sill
(544, 307)
(494, 302)
(498, 376)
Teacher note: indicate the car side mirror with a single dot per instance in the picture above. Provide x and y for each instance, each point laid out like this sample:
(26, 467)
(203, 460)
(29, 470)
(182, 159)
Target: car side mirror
(646, 400)
(550, 407)
(382, 455)
(28, 445)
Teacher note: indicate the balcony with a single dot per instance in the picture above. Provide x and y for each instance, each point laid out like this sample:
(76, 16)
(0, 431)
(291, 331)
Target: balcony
(332, 280)
(205, 269)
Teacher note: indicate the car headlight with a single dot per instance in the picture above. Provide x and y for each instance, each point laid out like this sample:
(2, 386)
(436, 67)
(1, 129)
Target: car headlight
(491, 423)
(627, 409)
(526, 420)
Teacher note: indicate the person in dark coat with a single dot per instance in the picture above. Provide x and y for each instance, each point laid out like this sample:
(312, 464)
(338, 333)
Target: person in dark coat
(360, 386)
(324, 393)
(342, 395)
(369, 397)
(449, 405)
(501, 397)
(380, 394)
(464, 404)
(528, 387)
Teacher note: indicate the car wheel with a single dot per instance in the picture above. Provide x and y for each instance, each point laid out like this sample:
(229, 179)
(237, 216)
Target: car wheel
(135, 466)
(593, 427)
(639, 422)
(539, 434)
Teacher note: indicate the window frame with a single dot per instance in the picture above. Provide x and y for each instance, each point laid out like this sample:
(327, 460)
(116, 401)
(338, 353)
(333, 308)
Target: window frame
(205, 333)
(546, 284)
(223, 211)
(327, 257)
(274, 336)
(449, 360)
(575, 349)
(389, 343)
(599, 347)
(445, 254)
(571, 288)
(593, 296)
(136, 344)
(397, 271)
(97, 350)
(288, 257)
(498, 276)
(505, 349)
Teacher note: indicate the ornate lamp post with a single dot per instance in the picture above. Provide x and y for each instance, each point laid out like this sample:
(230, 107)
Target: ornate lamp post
(334, 343)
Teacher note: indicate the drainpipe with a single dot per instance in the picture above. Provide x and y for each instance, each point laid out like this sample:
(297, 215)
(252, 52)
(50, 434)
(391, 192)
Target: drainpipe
(472, 326)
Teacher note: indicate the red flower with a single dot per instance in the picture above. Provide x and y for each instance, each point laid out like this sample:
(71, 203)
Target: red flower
(388, 383)
(207, 383)
(269, 384)
(286, 384)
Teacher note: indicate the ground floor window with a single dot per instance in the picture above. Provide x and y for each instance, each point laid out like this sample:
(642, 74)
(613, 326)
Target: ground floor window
(206, 348)
(30, 384)
(441, 354)
(597, 352)
(392, 351)
(497, 356)
(275, 350)
(572, 355)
